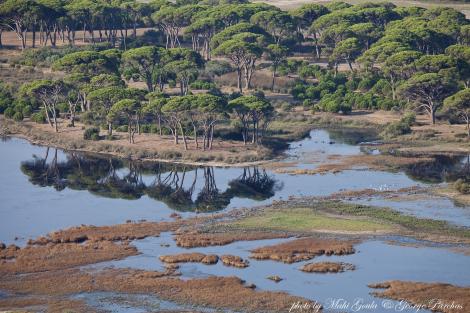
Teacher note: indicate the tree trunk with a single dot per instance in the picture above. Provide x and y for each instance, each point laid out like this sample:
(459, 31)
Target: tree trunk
(56, 128)
(274, 78)
(48, 118)
(184, 136)
(195, 136)
(239, 80)
(317, 49)
(211, 140)
(160, 125)
(34, 37)
(110, 129)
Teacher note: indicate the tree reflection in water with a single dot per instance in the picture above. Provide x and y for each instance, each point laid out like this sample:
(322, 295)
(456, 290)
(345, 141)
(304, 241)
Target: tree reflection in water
(442, 168)
(173, 184)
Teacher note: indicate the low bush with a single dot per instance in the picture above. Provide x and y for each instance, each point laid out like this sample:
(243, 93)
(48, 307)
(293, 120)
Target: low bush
(92, 133)
(462, 186)
(202, 85)
(18, 116)
(401, 127)
(39, 117)
(9, 112)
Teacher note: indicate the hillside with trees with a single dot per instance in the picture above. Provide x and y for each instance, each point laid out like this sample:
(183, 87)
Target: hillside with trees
(193, 71)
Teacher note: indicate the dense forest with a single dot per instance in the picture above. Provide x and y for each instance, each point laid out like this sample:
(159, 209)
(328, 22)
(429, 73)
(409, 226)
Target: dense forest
(342, 57)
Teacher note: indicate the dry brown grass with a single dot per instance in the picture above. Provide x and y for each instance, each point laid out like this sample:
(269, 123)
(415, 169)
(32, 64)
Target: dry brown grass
(49, 304)
(119, 232)
(427, 295)
(203, 239)
(190, 257)
(61, 256)
(302, 249)
(233, 260)
(326, 267)
(216, 292)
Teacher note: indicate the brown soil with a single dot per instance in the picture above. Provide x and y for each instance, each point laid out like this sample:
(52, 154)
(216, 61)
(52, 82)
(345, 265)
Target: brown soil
(233, 260)
(302, 249)
(200, 239)
(216, 292)
(326, 267)
(190, 257)
(434, 296)
(61, 256)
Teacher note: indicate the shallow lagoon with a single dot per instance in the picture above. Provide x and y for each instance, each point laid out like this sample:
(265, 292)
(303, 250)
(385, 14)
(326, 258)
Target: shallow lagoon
(42, 194)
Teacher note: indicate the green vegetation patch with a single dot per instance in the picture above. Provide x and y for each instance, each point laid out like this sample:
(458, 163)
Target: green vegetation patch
(304, 219)
(387, 215)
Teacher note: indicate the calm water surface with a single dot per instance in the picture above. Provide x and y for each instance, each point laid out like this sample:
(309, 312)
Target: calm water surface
(44, 189)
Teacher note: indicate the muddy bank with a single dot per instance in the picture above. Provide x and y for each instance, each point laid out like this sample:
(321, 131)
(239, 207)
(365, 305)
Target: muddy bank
(205, 239)
(14, 260)
(216, 292)
(327, 267)
(302, 249)
(437, 297)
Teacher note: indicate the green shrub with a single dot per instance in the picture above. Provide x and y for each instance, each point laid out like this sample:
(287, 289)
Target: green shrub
(401, 127)
(154, 129)
(122, 128)
(9, 112)
(409, 118)
(27, 111)
(18, 116)
(92, 133)
(145, 128)
(38, 117)
(218, 68)
(462, 186)
(202, 85)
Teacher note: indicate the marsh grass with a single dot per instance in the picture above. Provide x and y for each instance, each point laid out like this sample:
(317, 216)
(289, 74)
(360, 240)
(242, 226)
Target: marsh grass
(304, 219)
(387, 215)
